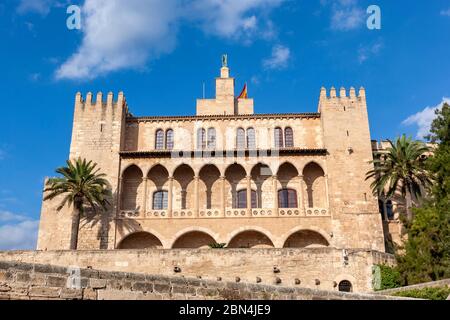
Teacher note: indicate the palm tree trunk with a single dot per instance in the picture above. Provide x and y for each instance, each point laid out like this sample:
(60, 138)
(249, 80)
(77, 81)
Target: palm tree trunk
(409, 213)
(75, 228)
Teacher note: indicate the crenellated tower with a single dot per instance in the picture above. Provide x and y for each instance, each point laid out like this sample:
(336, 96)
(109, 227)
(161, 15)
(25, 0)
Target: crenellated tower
(346, 137)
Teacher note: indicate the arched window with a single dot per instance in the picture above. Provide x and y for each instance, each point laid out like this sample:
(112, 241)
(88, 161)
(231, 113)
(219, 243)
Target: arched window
(201, 139)
(160, 200)
(345, 286)
(169, 139)
(251, 141)
(389, 210)
(240, 139)
(241, 199)
(287, 198)
(211, 138)
(278, 138)
(159, 139)
(289, 137)
(381, 208)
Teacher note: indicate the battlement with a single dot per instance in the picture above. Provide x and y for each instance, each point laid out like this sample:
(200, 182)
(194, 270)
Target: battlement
(342, 93)
(100, 101)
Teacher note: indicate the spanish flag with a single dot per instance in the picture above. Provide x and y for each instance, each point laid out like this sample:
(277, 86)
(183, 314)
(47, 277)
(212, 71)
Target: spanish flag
(243, 94)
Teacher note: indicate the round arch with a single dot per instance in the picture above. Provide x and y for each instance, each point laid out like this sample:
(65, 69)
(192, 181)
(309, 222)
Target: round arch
(317, 230)
(140, 240)
(250, 237)
(314, 162)
(305, 239)
(126, 168)
(191, 230)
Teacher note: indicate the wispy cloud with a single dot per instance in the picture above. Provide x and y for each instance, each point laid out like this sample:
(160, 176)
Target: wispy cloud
(148, 29)
(41, 7)
(279, 59)
(365, 52)
(423, 119)
(445, 12)
(346, 15)
(17, 232)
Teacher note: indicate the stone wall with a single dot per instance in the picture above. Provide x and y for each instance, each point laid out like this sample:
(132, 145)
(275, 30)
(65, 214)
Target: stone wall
(315, 268)
(25, 281)
(433, 284)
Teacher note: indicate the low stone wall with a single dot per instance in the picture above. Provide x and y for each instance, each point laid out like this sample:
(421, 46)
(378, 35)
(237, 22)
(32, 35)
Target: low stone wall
(315, 268)
(433, 284)
(27, 281)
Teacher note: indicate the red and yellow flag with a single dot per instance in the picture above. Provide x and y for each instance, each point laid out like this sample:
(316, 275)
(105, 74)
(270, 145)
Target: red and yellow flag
(243, 94)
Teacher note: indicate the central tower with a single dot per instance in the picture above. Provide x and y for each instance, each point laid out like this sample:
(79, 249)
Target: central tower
(225, 102)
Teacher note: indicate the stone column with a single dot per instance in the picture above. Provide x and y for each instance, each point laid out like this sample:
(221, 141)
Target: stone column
(144, 202)
(301, 204)
(327, 193)
(223, 197)
(170, 198)
(119, 198)
(196, 196)
(249, 195)
(275, 194)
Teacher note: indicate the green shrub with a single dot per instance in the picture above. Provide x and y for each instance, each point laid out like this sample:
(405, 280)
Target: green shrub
(438, 293)
(217, 245)
(390, 278)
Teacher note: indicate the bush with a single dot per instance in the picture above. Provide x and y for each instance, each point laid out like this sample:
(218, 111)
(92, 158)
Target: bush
(390, 278)
(438, 293)
(217, 245)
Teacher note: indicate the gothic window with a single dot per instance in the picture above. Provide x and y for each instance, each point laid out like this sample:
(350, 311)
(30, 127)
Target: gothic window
(169, 139)
(211, 138)
(345, 286)
(201, 139)
(160, 200)
(278, 138)
(241, 199)
(287, 198)
(159, 141)
(251, 142)
(289, 137)
(240, 139)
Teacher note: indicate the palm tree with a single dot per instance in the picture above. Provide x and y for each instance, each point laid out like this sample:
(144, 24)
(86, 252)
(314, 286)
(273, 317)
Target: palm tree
(82, 186)
(402, 169)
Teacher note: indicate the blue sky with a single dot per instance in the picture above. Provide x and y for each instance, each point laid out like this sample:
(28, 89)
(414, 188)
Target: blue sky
(160, 52)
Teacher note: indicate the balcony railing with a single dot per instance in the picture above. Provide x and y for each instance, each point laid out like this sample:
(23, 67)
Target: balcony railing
(229, 213)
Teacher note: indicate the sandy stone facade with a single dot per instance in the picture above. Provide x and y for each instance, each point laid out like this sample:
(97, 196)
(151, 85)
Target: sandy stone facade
(226, 175)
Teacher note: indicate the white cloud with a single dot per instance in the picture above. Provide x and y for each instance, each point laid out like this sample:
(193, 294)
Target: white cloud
(279, 59)
(17, 232)
(345, 15)
(424, 119)
(445, 13)
(127, 34)
(41, 7)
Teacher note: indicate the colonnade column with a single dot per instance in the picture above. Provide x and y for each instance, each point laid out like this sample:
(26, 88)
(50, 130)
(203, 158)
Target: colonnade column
(302, 192)
(223, 198)
(249, 195)
(170, 198)
(144, 202)
(275, 194)
(196, 196)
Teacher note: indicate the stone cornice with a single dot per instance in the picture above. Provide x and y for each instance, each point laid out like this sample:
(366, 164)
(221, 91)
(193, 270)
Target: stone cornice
(225, 117)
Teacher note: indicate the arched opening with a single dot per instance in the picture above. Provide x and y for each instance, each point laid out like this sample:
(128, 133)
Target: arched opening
(289, 137)
(381, 209)
(250, 239)
(261, 176)
(211, 138)
(278, 136)
(210, 187)
(345, 286)
(201, 139)
(241, 199)
(305, 239)
(157, 188)
(240, 139)
(131, 188)
(140, 240)
(251, 139)
(289, 183)
(315, 185)
(235, 176)
(169, 139)
(389, 210)
(159, 139)
(184, 190)
(194, 240)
